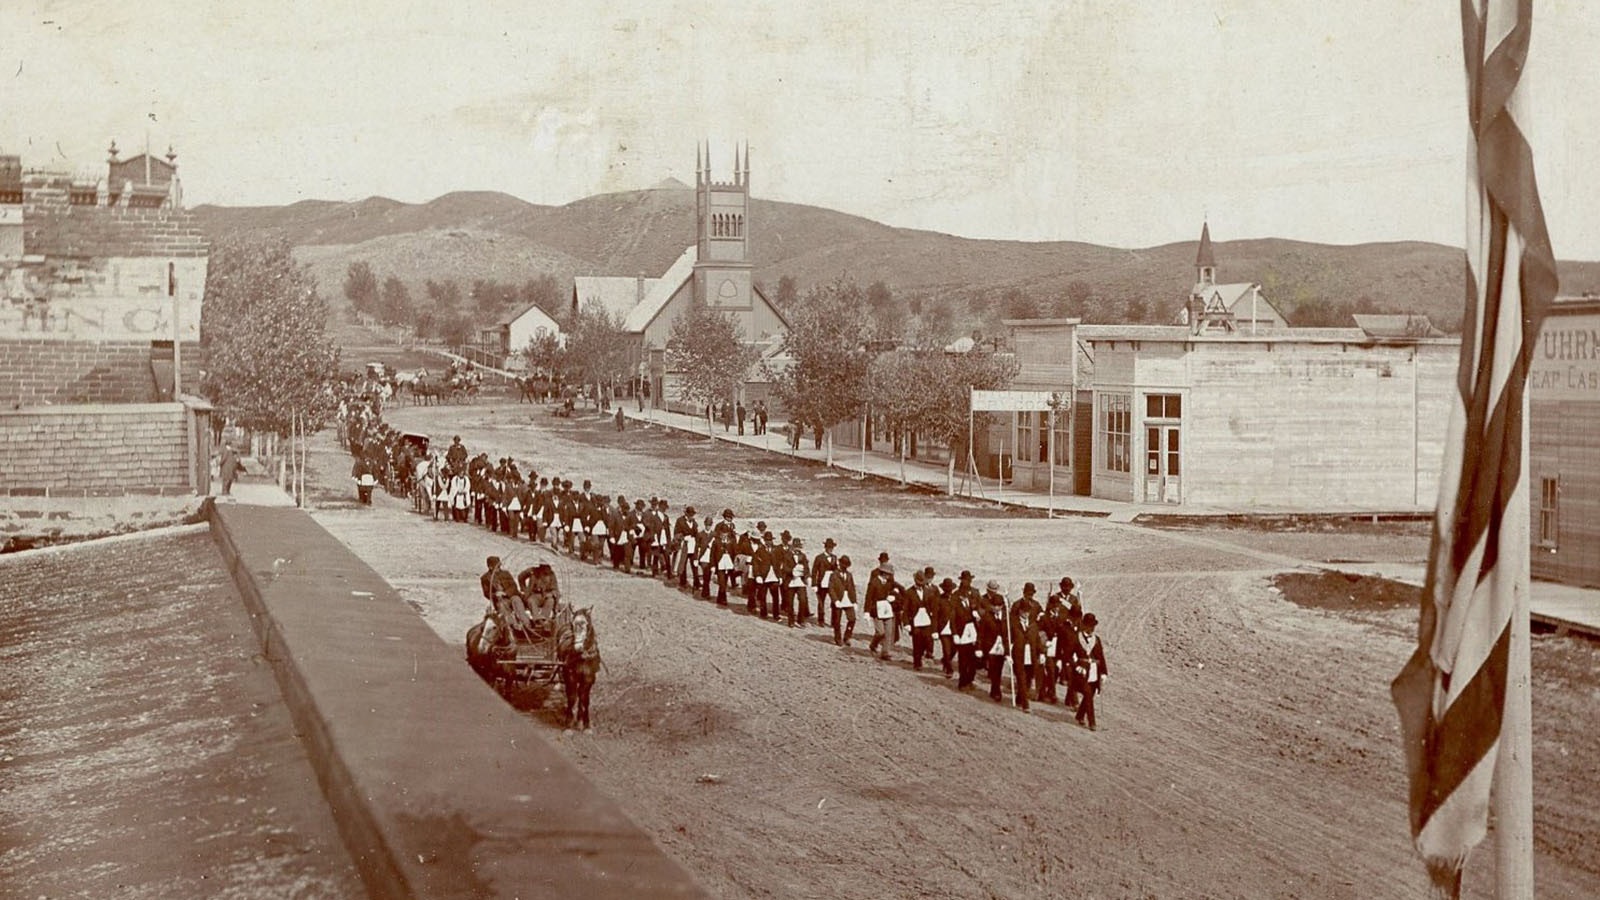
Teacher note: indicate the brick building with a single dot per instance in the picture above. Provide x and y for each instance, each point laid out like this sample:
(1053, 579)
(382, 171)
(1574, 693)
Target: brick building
(101, 281)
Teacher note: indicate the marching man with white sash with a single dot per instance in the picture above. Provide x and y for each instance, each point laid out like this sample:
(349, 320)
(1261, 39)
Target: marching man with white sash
(365, 480)
(460, 495)
(920, 603)
(881, 591)
(724, 545)
(994, 639)
(1091, 668)
(685, 534)
(794, 589)
(1027, 643)
(704, 562)
(822, 569)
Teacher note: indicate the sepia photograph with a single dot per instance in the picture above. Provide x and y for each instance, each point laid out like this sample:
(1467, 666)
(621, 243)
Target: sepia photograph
(520, 449)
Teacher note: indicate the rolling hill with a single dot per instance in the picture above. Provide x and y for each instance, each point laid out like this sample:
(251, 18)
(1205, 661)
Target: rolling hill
(469, 235)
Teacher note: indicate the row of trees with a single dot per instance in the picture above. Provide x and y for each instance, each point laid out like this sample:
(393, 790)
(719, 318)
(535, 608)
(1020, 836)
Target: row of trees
(910, 316)
(445, 311)
(915, 387)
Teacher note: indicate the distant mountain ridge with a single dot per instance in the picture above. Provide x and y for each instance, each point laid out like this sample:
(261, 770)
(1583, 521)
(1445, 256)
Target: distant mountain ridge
(487, 234)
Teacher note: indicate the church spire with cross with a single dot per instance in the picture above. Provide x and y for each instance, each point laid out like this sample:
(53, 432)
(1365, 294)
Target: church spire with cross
(1205, 262)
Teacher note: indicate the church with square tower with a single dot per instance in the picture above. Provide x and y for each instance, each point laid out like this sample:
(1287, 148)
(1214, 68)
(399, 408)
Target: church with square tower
(718, 269)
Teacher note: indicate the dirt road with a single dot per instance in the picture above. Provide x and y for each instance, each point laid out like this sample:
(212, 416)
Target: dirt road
(1247, 747)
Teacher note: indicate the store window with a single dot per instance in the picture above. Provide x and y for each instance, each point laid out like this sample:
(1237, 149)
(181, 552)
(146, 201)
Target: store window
(1063, 451)
(1163, 406)
(1114, 425)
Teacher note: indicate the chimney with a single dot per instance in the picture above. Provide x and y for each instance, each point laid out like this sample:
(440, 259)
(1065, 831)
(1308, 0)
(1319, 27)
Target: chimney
(638, 289)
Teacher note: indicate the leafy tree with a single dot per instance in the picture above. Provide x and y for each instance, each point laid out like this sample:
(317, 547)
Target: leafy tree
(597, 347)
(544, 292)
(706, 349)
(545, 354)
(395, 308)
(444, 295)
(427, 323)
(885, 312)
(263, 332)
(1076, 301)
(788, 294)
(898, 396)
(361, 287)
(824, 380)
(925, 392)
(1137, 310)
(1016, 304)
(1318, 313)
(491, 298)
(455, 329)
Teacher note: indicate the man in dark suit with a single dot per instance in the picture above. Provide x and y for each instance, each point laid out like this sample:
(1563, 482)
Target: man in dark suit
(795, 572)
(724, 547)
(1091, 667)
(963, 614)
(842, 588)
(822, 569)
(499, 588)
(921, 599)
(685, 538)
(942, 627)
(994, 641)
(882, 592)
(1027, 643)
(764, 564)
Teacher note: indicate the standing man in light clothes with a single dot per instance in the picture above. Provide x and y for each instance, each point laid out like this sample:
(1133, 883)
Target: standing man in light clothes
(228, 468)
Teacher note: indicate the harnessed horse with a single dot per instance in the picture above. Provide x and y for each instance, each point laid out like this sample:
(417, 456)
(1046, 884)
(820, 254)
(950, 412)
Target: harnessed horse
(579, 652)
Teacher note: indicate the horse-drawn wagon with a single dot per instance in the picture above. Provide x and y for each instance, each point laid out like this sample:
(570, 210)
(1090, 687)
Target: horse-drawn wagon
(536, 639)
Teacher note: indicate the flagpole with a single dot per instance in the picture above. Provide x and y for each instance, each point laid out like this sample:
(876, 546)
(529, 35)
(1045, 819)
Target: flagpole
(1512, 802)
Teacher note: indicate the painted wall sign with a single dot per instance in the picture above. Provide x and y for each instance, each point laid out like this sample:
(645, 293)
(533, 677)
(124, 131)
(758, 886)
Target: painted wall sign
(1019, 401)
(1566, 363)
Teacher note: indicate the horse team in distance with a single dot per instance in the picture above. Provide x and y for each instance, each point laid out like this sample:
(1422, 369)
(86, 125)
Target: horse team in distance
(452, 387)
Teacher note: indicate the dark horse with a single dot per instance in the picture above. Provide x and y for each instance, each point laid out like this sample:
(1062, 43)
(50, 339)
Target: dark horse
(579, 652)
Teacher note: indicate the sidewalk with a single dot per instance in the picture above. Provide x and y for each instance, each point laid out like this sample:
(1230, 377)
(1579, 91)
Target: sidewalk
(254, 490)
(937, 478)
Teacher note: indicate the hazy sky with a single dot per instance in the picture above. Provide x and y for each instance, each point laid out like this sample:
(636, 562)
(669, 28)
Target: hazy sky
(1112, 122)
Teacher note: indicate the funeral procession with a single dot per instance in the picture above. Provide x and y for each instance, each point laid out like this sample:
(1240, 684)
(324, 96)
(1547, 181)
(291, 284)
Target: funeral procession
(809, 450)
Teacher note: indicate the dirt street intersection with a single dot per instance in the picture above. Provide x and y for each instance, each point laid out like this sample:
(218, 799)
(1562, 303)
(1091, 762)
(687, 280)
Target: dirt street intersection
(1247, 747)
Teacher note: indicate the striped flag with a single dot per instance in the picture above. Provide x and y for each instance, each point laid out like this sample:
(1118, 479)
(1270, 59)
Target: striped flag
(1451, 695)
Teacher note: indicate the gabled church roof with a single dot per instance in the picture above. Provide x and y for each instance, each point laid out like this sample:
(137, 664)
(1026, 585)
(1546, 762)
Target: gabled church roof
(660, 292)
(619, 294)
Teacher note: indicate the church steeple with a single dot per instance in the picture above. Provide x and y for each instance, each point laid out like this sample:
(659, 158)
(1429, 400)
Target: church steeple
(721, 209)
(722, 269)
(1205, 262)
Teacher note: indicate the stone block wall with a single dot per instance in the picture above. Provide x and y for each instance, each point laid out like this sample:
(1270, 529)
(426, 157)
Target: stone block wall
(35, 372)
(91, 449)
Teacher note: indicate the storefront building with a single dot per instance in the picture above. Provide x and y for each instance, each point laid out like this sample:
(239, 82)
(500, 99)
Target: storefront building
(1564, 444)
(1299, 419)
